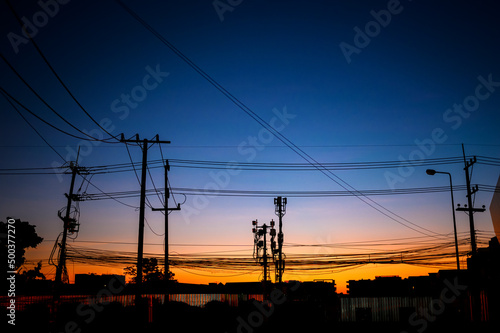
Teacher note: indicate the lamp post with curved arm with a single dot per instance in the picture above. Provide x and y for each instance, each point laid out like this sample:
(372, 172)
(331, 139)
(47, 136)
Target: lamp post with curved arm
(432, 172)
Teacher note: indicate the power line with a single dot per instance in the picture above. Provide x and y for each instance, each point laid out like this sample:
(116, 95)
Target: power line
(110, 197)
(272, 193)
(43, 120)
(339, 181)
(277, 146)
(56, 75)
(136, 175)
(45, 102)
(267, 166)
(158, 194)
(32, 127)
(313, 166)
(438, 254)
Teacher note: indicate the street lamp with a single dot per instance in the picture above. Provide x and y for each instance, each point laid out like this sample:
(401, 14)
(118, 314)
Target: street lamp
(432, 172)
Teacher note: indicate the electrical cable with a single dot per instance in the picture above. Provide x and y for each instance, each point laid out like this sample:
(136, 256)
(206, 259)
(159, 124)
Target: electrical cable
(272, 193)
(32, 127)
(135, 172)
(266, 166)
(440, 254)
(46, 103)
(41, 119)
(339, 181)
(57, 76)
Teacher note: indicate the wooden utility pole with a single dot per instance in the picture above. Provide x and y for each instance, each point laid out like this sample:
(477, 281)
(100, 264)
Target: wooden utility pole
(61, 265)
(470, 208)
(140, 241)
(166, 209)
(68, 223)
(472, 265)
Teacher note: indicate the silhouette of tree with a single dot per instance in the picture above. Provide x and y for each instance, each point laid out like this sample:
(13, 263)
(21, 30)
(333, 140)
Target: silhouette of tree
(150, 271)
(25, 236)
(34, 274)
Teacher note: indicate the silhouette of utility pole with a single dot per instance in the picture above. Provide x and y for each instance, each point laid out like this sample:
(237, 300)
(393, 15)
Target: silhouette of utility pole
(140, 242)
(166, 210)
(469, 207)
(471, 266)
(280, 210)
(61, 265)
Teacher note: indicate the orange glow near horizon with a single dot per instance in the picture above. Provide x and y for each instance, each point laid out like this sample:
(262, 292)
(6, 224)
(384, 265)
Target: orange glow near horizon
(369, 271)
(208, 275)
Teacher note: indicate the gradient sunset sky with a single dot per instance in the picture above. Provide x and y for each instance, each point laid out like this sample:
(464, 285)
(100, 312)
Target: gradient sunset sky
(346, 81)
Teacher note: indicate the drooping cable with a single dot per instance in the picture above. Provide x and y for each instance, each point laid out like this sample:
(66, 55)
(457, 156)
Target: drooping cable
(41, 119)
(56, 75)
(32, 127)
(339, 181)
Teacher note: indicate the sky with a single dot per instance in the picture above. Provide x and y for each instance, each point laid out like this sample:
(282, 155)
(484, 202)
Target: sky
(345, 81)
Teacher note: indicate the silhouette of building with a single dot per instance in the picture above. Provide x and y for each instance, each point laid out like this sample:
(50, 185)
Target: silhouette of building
(469, 295)
(381, 286)
(484, 278)
(393, 299)
(93, 282)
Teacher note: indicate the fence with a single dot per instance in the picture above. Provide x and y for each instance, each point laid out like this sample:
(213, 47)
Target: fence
(198, 300)
(380, 309)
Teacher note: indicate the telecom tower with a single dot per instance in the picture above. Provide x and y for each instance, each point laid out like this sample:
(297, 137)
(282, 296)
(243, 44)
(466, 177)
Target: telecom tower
(260, 246)
(260, 243)
(280, 211)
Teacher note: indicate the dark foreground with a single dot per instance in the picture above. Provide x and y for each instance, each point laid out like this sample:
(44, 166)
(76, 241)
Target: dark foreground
(248, 317)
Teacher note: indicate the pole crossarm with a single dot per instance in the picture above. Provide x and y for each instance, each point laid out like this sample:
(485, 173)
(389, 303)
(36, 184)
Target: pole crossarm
(466, 209)
(137, 140)
(164, 209)
(144, 144)
(470, 207)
